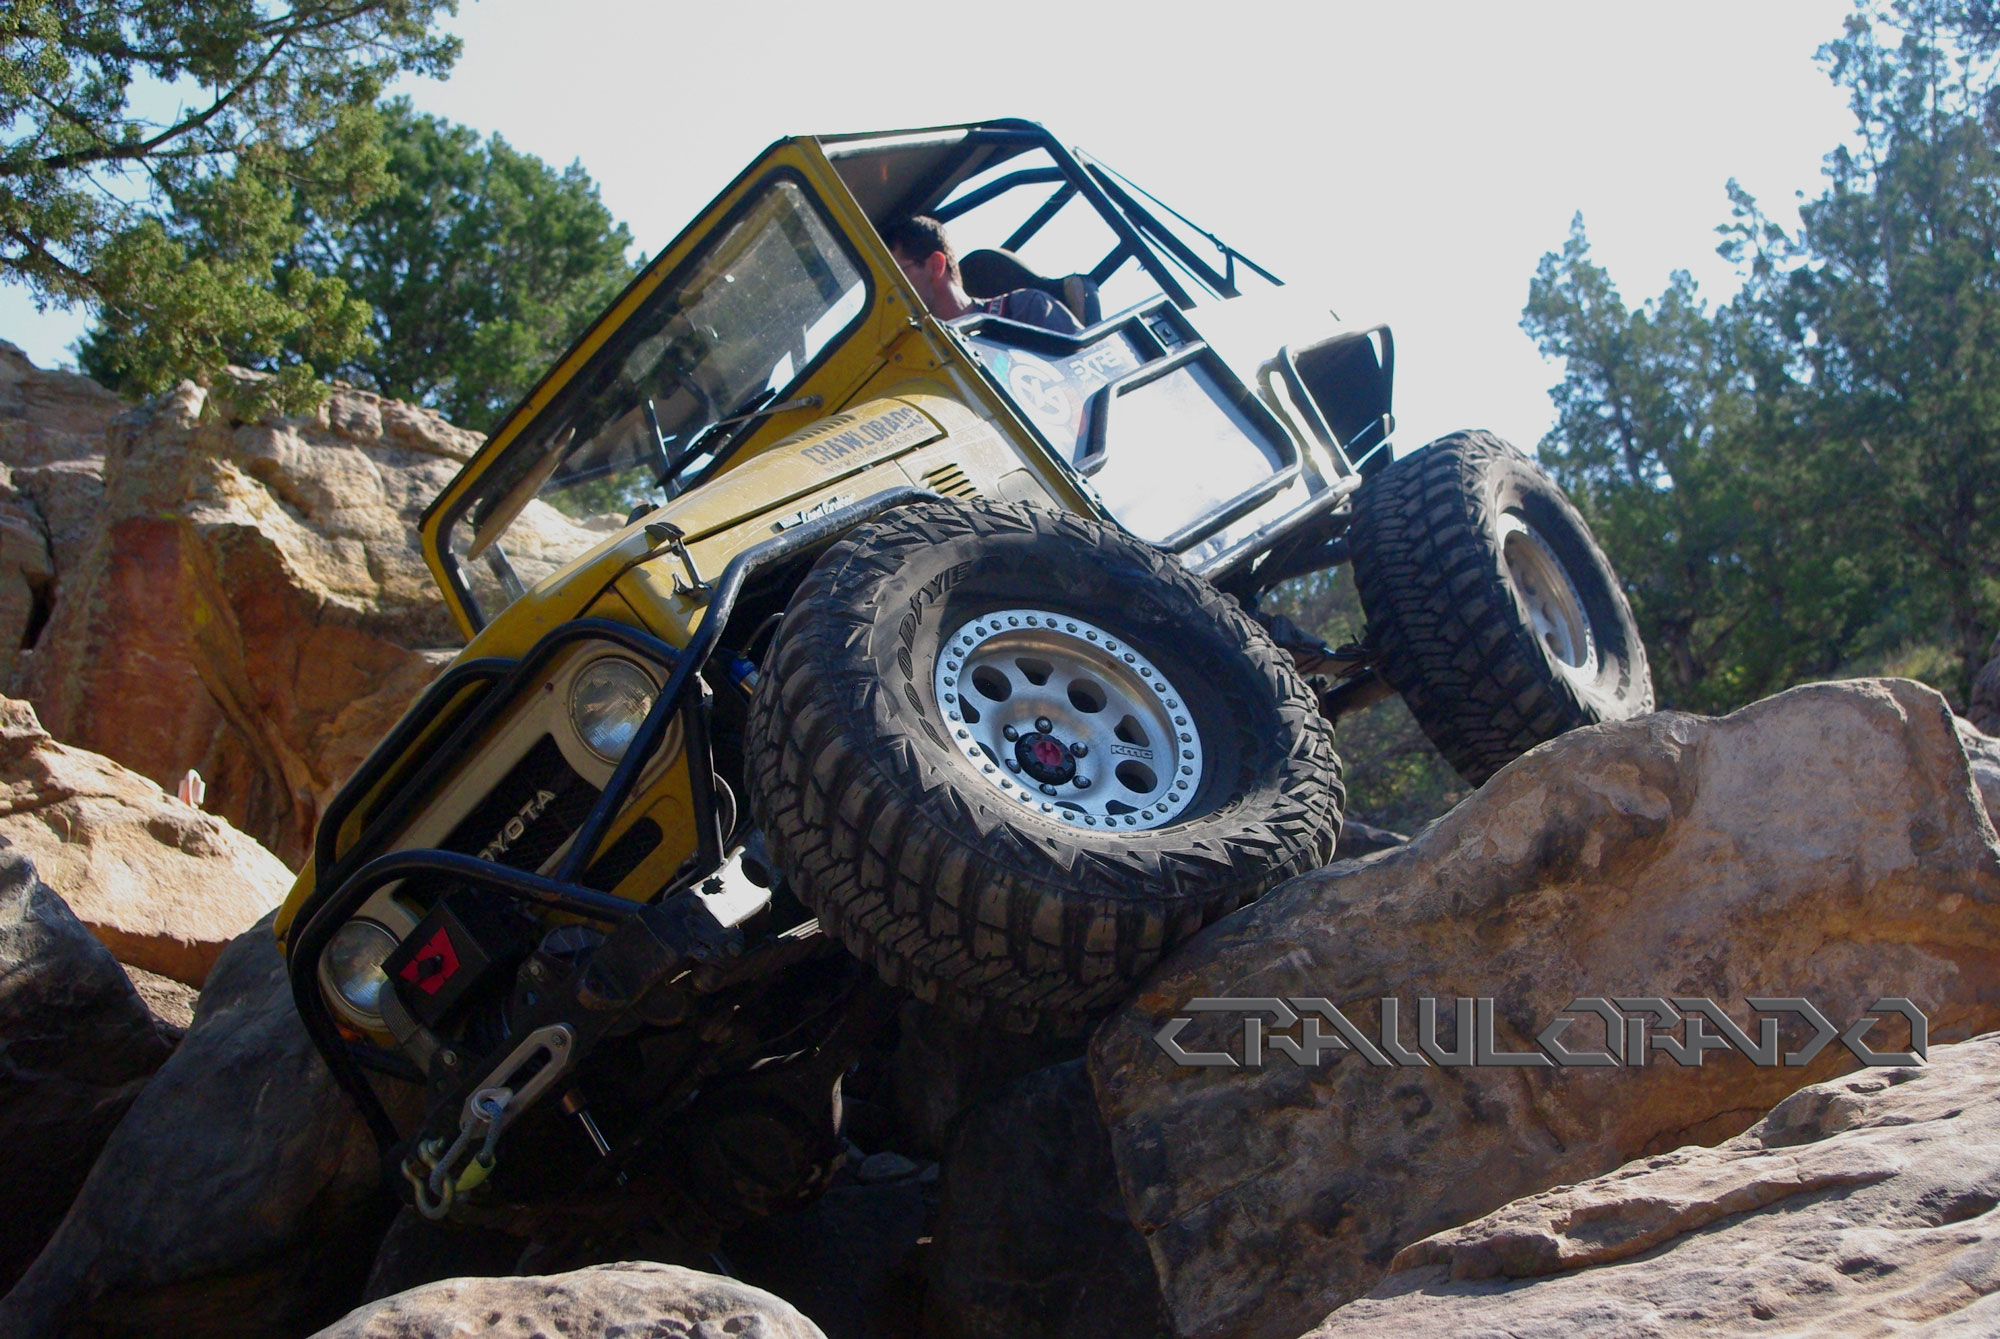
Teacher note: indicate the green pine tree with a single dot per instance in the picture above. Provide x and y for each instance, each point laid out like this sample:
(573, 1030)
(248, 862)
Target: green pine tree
(169, 224)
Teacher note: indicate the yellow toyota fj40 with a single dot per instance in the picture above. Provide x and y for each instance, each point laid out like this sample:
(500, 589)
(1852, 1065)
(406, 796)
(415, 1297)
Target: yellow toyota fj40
(822, 651)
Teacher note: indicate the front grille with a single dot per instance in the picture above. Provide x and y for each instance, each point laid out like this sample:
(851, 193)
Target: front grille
(623, 856)
(529, 815)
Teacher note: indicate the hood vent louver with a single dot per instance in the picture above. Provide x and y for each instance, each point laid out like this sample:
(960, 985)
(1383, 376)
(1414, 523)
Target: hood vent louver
(950, 481)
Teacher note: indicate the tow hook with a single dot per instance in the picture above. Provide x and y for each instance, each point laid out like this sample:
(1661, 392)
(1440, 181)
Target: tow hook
(655, 944)
(492, 1107)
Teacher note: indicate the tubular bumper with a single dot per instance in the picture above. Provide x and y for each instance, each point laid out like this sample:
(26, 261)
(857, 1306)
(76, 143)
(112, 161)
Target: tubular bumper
(678, 934)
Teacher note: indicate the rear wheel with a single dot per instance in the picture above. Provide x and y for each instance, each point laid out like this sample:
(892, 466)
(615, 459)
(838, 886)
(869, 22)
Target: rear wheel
(1011, 757)
(1491, 607)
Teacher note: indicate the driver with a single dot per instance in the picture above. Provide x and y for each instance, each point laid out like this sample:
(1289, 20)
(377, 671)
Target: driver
(927, 260)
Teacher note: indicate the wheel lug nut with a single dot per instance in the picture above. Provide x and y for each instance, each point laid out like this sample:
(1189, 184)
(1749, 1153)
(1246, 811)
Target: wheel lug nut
(1048, 789)
(1009, 733)
(1083, 783)
(1080, 749)
(1012, 765)
(1043, 724)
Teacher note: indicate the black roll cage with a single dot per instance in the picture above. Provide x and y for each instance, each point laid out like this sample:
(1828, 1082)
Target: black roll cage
(1140, 232)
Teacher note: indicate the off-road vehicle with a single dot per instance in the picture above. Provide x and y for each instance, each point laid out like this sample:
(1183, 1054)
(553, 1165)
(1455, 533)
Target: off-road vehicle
(823, 653)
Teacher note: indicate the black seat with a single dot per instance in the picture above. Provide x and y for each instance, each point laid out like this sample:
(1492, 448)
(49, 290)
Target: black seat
(992, 273)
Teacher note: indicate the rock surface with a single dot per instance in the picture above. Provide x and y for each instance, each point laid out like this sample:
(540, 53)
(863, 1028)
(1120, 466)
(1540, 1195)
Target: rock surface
(1982, 751)
(944, 1067)
(244, 598)
(1359, 839)
(165, 886)
(49, 418)
(618, 1301)
(1862, 1206)
(172, 1002)
(849, 1261)
(76, 1045)
(240, 1196)
(1031, 1238)
(1984, 708)
(52, 428)
(1825, 843)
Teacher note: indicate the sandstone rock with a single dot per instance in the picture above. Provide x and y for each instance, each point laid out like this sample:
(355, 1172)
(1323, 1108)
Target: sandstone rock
(66, 498)
(415, 1251)
(607, 1301)
(171, 1002)
(76, 1045)
(1861, 1206)
(1825, 843)
(944, 1067)
(240, 1196)
(163, 885)
(27, 574)
(47, 417)
(1031, 1238)
(1982, 751)
(1984, 708)
(244, 598)
(52, 429)
(850, 1261)
(1359, 839)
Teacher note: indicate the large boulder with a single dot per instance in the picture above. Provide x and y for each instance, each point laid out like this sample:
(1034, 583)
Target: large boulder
(603, 1302)
(851, 1260)
(1031, 1238)
(50, 418)
(241, 1195)
(1826, 844)
(76, 1045)
(27, 572)
(241, 596)
(1984, 708)
(52, 428)
(1861, 1206)
(1982, 751)
(164, 885)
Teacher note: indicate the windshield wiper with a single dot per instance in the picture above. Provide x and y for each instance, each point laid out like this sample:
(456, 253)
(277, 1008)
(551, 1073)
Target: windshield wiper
(751, 409)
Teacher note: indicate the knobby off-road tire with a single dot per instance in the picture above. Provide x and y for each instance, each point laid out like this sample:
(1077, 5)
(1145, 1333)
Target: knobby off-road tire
(893, 827)
(1491, 608)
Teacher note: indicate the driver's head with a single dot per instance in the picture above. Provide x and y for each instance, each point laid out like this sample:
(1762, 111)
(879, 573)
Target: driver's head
(924, 254)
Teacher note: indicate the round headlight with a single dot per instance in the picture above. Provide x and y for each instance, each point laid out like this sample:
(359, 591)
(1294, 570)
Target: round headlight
(353, 963)
(607, 703)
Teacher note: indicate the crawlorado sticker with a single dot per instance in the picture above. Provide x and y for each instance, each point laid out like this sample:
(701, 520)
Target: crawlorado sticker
(850, 440)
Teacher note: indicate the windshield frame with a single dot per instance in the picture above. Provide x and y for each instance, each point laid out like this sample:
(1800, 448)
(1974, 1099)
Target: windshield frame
(607, 339)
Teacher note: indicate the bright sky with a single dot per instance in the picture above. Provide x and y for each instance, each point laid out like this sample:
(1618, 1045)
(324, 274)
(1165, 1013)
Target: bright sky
(1410, 163)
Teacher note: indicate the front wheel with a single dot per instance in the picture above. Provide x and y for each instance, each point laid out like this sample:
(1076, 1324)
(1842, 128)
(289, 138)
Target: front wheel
(1492, 609)
(1012, 756)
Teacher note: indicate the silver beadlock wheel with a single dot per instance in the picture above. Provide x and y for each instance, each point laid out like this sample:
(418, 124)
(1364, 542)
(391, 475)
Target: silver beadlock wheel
(1555, 609)
(975, 889)
(1491, 608)
(1068, 720)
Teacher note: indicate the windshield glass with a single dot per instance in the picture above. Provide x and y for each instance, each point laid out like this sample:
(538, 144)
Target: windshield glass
(730, 332)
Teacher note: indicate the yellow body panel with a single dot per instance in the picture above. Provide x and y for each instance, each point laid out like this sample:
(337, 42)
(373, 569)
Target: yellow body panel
(901, 404)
